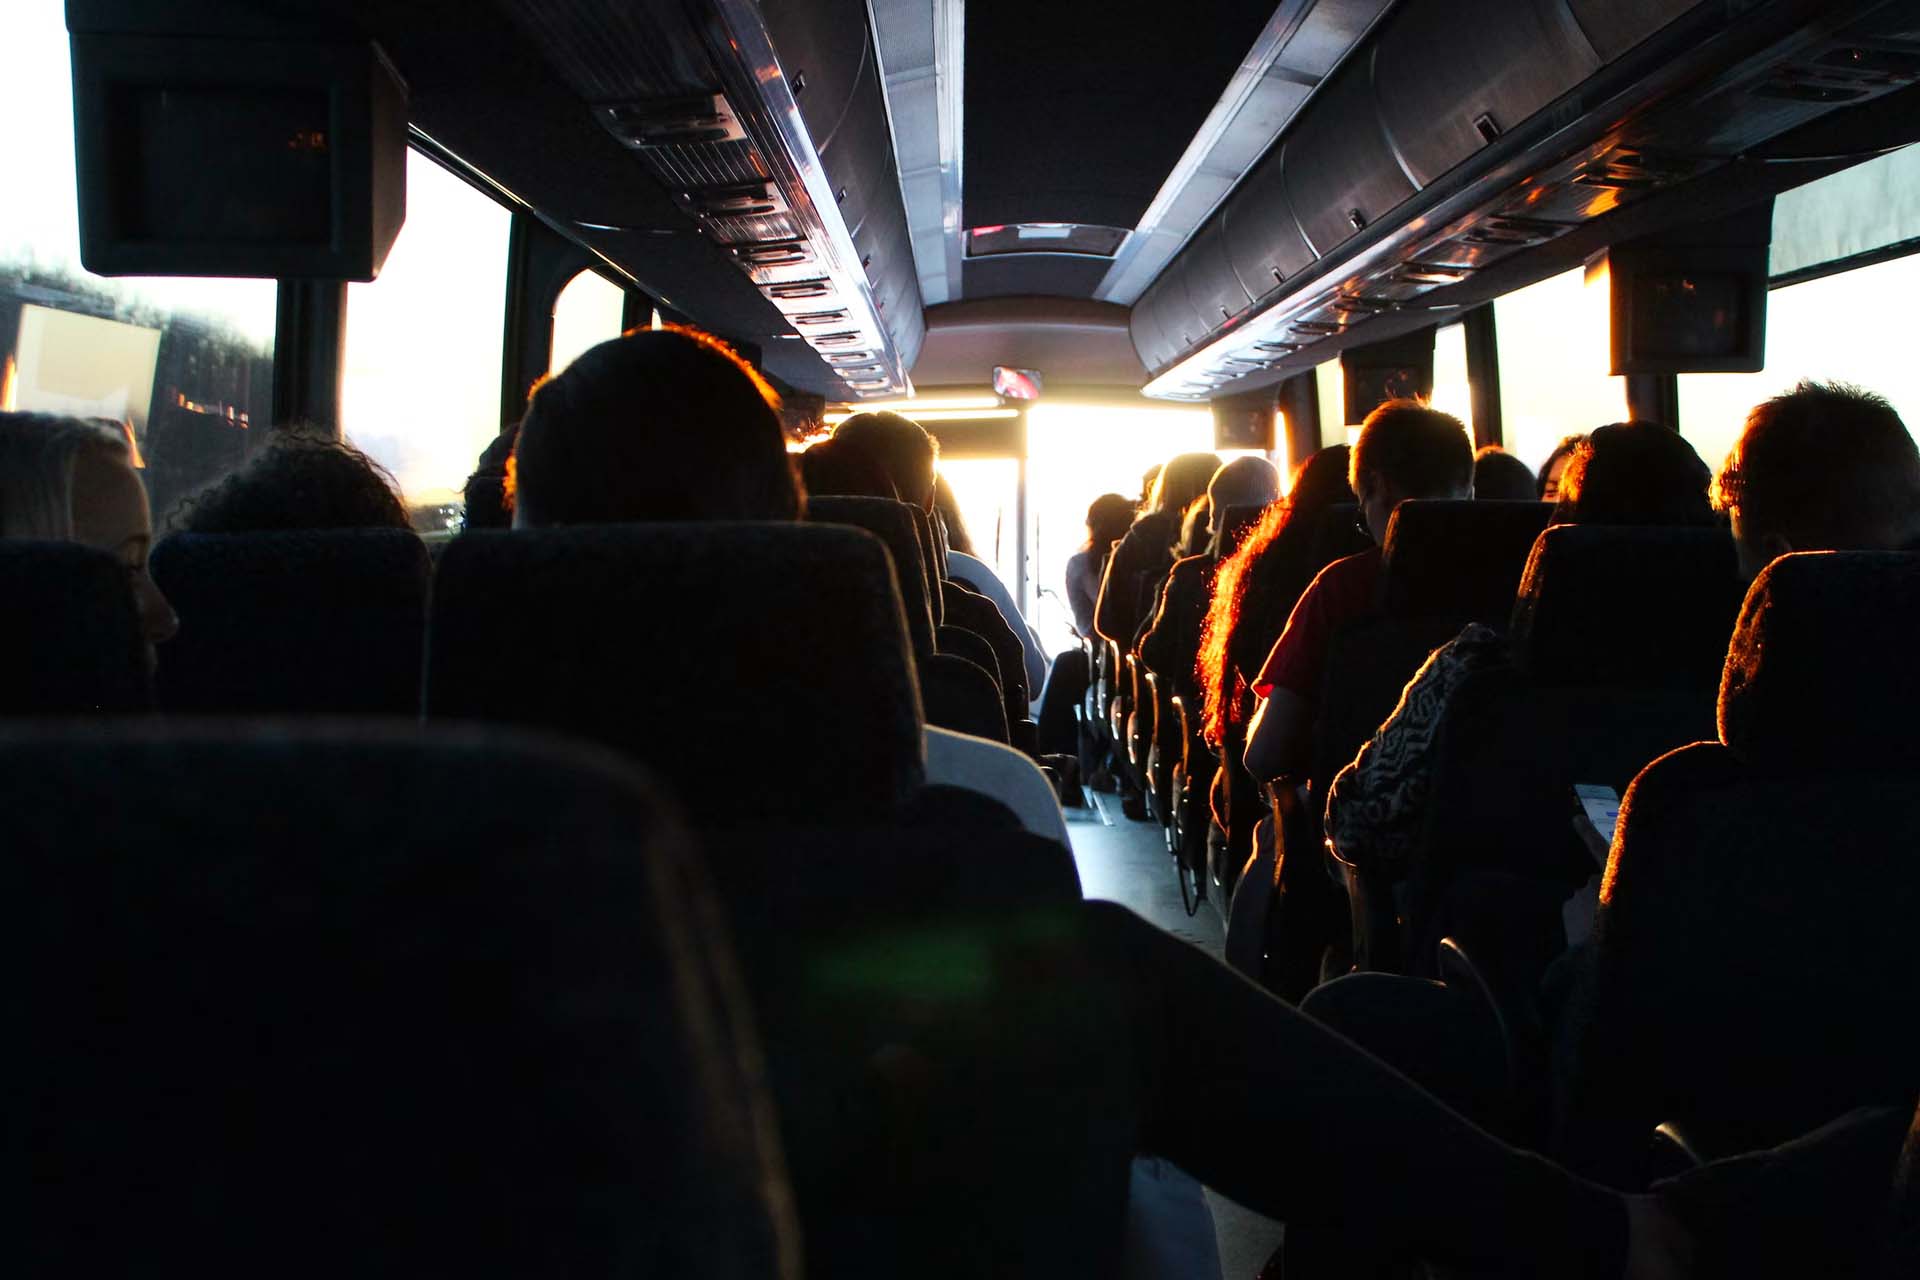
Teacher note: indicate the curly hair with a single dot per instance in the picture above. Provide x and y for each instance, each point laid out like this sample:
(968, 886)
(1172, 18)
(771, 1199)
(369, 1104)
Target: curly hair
(1251, 587)
(300, 480)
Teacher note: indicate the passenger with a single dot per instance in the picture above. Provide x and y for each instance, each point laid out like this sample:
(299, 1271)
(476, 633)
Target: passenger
(1254, 590)
(1499, 476)
(1067, 679)
(299, 480)
(68, 480)
(1107, 522)
(1195, 528)
(1145, 554)
(1405, 450)
(670, 424)
(1825, 467)
(1171, 645)
(1630, 473)
(487, 506)
(828, 469)
(1555, 466)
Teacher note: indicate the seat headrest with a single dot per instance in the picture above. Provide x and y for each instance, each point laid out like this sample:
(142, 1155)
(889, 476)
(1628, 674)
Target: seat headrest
(72, 642)
(1609, 604)
(930, 553)
(1337, 534)
(1458, 559)
(320, 958)
(1822, 671)
(761, 669)
(892, 523)
(287, 622)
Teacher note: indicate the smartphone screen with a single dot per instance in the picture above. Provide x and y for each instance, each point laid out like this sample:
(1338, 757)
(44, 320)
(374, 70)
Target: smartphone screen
(1601, 805)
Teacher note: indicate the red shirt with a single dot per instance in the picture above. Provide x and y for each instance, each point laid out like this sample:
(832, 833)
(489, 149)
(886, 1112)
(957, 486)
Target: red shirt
(1346, 591)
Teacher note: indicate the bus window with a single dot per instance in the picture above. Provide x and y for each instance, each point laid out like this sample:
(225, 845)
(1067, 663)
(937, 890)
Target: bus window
(1554, 355)
(421, 390)
(184, 365)
(1330, 381)
(1452, 391)
(587, 313)
(1850, 327)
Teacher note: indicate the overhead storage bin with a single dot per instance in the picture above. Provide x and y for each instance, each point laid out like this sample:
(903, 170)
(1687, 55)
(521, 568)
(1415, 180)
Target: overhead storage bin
(1262, 236)
(1339, 170)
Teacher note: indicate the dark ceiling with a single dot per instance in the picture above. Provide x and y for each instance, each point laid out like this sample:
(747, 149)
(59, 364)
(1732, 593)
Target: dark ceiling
(1076, 110)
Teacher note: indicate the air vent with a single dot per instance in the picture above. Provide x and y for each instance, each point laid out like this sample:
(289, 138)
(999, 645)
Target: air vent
(674, 122)
(814, 319)
(800, 290)
(1516, 231)
(745, 200)
(835, 340)
(1429, 273)
(777, 253)
(846, 359)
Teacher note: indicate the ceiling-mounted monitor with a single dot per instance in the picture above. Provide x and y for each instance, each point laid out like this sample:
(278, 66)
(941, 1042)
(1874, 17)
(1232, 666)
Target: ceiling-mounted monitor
(204, 157)
(1690, 300)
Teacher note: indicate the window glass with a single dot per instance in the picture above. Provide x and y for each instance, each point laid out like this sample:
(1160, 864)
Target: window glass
(1554, 353)
(1852, 327)
(586, 314)
(1856, 210)
(421, 393)
(185, 365)
(1452, 392)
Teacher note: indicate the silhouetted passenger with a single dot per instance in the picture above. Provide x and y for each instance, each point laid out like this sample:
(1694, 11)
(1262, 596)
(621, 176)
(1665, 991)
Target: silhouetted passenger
(1501, 477)
(300, 480)
(1405, 450)
(1629, 473)
(899, 448)
(1146, 552)
(1107, 521)
(68, 480)
(1825, 467)
(487, 503)
(1555, 466)
(831, 469)
(1171, 644)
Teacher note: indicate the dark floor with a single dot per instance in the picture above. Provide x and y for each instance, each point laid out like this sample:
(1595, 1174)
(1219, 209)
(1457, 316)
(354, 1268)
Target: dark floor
(1127, 862)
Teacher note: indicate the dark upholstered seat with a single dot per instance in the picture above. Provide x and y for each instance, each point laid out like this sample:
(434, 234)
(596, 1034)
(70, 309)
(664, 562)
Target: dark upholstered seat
(967, 608)
(312, 621)
(935, 563)
(959, 694)
(376, 1002)
(1755, 972)
(761, 669)
(72, 641)
(1458, 559)
(893, 523)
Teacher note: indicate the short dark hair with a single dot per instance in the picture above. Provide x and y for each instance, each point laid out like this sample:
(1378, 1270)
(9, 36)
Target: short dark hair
(831, 468)
(301, 479)
(897, 445)
(657, 424)
(1563, 450)
(1500, 476)
(1826, 467)
(1634, 473)
(486, 489)
(1416, 449)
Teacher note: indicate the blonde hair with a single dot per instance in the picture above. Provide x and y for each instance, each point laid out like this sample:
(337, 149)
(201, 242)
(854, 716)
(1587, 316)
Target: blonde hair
(37, 456)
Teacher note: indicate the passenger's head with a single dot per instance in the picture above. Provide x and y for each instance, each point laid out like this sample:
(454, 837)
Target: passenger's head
(67, 480)
(899, 447)
(1244, 482)
(1321, 480)
(658, 424)
(1195, 527)
(1825, 467)
(1634, 473)
(829, 468)
(1548, 481)
(486, 490)
(1408, 450)
(1149, 478)
(1180, 481)
(300, 480)
(1500, 477)
(947, 507)
(1107, 522)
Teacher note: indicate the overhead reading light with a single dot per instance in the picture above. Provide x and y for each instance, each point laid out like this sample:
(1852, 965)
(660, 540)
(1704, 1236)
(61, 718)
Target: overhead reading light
(1078, 239)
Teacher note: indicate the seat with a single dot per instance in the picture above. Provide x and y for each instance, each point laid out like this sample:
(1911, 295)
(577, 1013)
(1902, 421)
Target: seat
(1618, 637)
(761, 669)
(893, 523)
(1754, 975)
(933, 560)
(347, 1000)
(309, 621)
(959, 693)
(72, 642)
(972, 646)
(969, 609)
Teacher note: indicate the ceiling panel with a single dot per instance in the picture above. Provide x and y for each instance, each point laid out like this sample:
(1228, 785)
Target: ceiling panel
(1034, 273)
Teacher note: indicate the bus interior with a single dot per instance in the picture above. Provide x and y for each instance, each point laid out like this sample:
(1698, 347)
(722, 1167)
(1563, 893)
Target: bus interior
(635, 896)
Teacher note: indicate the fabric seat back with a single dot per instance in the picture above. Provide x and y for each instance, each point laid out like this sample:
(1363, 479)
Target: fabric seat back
(761, 669)
(892, 522)
(1755, 975)
(314, 1002)
(1458, 559)
(72, 643)
(311, 621)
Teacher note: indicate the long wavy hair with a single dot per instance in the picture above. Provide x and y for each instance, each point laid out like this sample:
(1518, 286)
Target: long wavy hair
(1249, 583)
